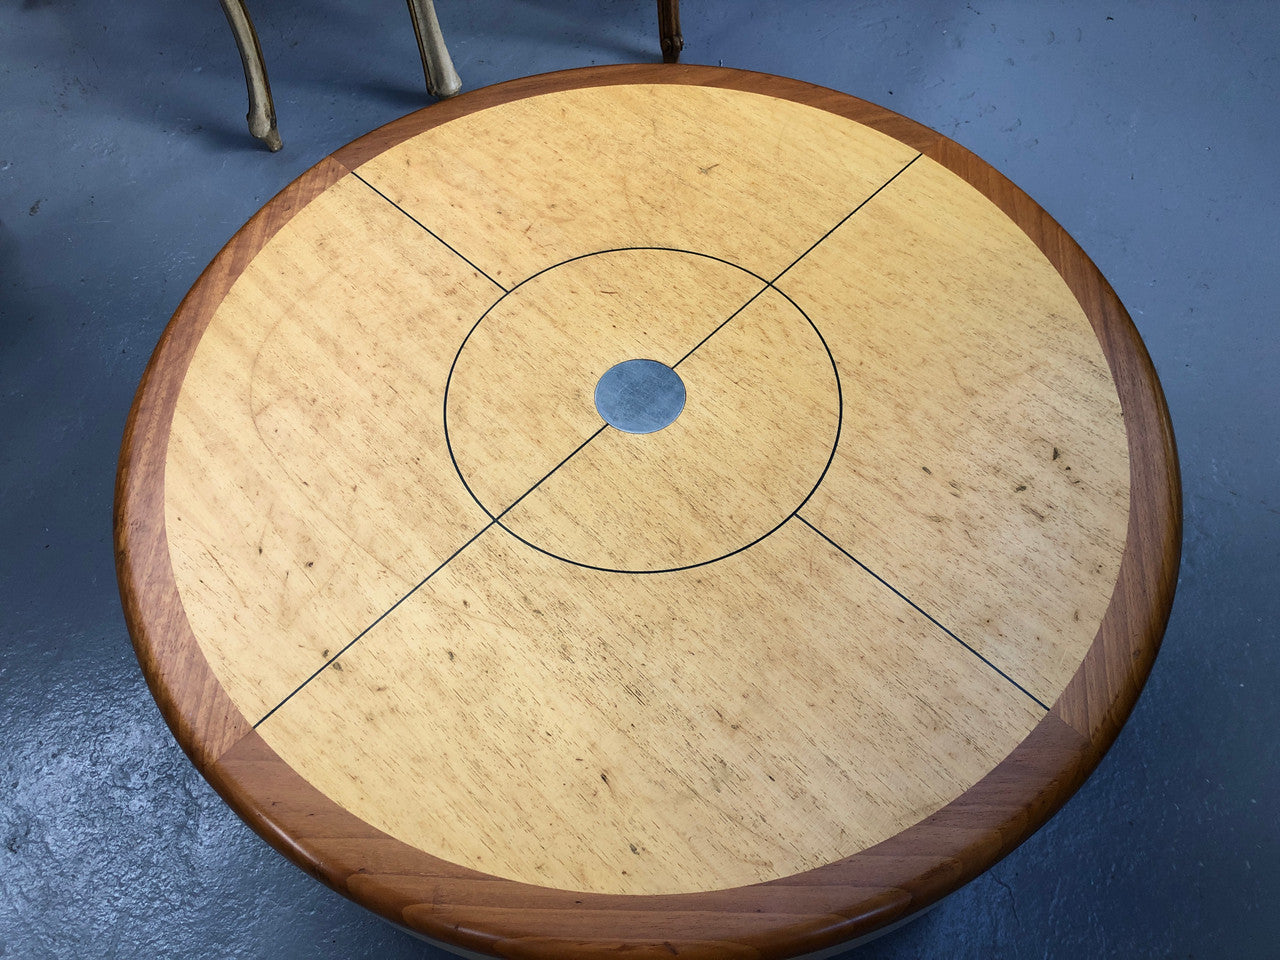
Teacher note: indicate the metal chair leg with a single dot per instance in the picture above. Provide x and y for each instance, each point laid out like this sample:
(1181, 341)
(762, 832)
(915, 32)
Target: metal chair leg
(669, 30)
(262, 111)
(437, 66)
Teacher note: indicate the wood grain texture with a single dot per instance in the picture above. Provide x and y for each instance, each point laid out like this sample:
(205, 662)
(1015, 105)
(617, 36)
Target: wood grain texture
(192, 700)
(518, 187)
(651, 734)
(803, 913)
(712, 482)
(827, 905)
(550, 340)
(984, 468)
(355, 154)
(281, 566)
(1104, 689)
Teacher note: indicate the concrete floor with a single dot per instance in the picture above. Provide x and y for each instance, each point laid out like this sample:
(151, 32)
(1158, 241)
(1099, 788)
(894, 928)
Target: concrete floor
(1149, 130)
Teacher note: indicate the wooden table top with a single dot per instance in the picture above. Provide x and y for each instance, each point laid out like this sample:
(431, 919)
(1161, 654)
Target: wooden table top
(753, 684)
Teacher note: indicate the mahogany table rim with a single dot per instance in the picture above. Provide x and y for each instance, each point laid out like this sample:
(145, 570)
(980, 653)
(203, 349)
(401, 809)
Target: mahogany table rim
(811, 911)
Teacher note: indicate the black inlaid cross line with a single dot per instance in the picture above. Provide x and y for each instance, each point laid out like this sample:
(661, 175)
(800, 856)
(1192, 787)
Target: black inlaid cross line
(674, 409)
(495, 519)
(924, 613)
(419, 585)
(769, 283)
(452, 249)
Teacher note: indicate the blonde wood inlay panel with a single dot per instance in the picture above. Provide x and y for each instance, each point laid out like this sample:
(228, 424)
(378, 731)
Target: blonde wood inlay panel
(307, 485)
(650, 733)
(983, 467)
(521, 396)
(760, 421)
(749, 178)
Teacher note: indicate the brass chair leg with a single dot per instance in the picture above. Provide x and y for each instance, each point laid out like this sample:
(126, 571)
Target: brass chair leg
(669, 30)
(437, 66)
(262, 111)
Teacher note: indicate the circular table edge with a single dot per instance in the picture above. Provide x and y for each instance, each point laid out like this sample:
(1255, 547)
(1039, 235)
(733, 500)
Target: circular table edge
(815, 910)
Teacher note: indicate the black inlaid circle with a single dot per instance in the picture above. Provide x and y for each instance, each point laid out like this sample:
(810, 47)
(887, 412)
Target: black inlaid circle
(640, 396)
(659, 398)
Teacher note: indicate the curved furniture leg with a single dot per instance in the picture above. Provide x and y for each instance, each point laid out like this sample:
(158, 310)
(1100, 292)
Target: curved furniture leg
(437, 66)
(262, 111)
(669, 30)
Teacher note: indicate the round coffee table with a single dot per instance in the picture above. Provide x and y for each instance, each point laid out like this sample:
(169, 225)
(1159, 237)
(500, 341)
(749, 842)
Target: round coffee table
(667, 510)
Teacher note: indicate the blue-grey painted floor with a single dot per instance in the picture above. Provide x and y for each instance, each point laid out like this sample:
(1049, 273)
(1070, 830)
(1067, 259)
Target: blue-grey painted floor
(1150, 130)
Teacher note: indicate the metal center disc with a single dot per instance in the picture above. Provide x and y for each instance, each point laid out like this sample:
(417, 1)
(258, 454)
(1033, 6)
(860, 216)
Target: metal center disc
(640, 396)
